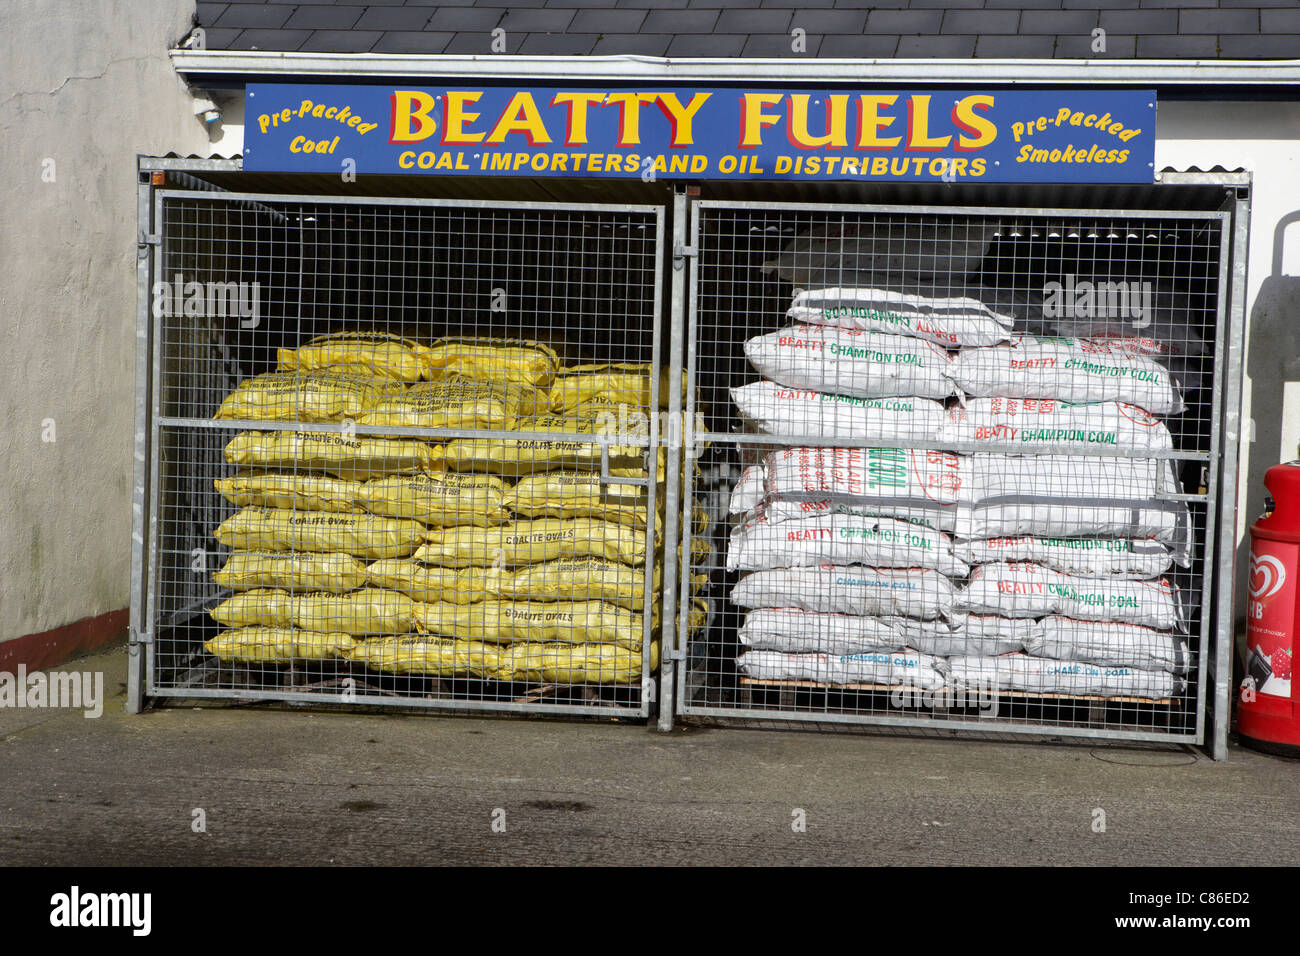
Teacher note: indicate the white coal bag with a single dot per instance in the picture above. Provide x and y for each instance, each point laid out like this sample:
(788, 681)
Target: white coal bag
(1021, 307)
(849, 362)
(936, 636)
(792, 631)
(1070, 476)
(1185, 359)
(780, 509)
(1043, 424)
(1030, 590)
(912, 592)
(1068, 497)
(1071, 370)
(1168, 522)
(1048, 676)
(781, 410)
(868, 667)
(899, 483)
(984, 635)
(1110, 642)
(748, 491)
(1089, 557)
(858, 252)
(840, 539)
(950, 321)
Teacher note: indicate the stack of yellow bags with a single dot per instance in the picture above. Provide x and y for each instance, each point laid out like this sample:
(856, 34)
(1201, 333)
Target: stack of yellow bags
(490, 557)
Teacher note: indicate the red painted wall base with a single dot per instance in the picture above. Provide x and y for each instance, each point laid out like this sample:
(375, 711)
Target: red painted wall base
(50, 648)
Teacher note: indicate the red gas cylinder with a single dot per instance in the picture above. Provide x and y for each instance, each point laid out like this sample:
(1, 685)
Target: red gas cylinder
(1267, 715)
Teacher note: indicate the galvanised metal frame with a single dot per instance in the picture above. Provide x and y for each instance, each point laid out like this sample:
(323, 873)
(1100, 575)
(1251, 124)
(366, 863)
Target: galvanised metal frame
(146, 457)
(1225, 560)
(1216, 589)
(143, 683)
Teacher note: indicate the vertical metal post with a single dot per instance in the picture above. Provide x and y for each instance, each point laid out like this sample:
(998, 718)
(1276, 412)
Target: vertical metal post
(139, 518)
(153, 524)
(689, 263)
(648, 695)
(1225, 562)
(674, 503)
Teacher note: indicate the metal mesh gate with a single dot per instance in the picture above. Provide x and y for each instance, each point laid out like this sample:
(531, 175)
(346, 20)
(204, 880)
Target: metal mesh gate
(966, 463)
(405, 452)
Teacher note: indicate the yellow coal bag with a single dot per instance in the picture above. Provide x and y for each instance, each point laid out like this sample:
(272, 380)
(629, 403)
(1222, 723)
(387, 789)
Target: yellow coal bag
(699, 581)
(699, 614)
(573, 663)
(588, 579)
(302, 572)
(303, 397)
(265, 606)
(450, 404)
(514, 456)
(530, 542)
(508, 621)
(272, 489)
(373, 354)
(502, 361)
(275, 645)
(363, 535)
(428, 656)
(574, 494)
(701, 552)
(430, 583)
(524, 401)
(355, 457)
(618, 384)
(441, 498)
(365, 611)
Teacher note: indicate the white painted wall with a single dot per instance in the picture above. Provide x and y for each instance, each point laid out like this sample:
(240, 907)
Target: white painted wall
(1263, 137)
(87, 85)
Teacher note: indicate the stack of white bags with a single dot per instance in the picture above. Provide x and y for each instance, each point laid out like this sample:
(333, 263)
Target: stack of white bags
(1038, 571)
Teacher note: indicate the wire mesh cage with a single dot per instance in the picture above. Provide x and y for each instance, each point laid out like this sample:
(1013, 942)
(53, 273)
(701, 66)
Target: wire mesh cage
(964, 465)
(406, 452)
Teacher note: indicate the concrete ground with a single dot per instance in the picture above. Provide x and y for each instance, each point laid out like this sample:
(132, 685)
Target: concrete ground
(278, 787)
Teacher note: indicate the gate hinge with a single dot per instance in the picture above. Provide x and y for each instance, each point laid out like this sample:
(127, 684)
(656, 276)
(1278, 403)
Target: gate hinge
(677, 654)
(683, 251)
(146, 239)
(138, 638)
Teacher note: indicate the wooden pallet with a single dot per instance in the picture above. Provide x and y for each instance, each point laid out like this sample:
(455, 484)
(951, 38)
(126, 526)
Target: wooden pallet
(889, 688)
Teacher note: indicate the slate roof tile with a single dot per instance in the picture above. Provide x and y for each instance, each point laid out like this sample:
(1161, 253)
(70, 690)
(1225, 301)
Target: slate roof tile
(1166, 29)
